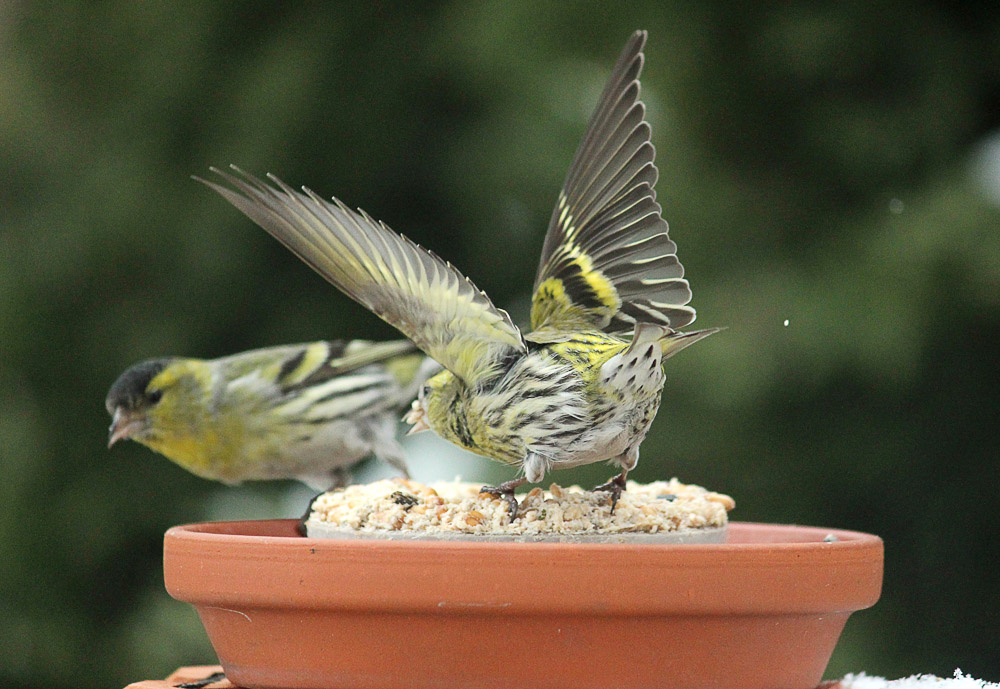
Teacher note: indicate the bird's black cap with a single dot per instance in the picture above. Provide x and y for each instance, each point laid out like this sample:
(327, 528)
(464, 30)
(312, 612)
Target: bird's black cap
(129, 391)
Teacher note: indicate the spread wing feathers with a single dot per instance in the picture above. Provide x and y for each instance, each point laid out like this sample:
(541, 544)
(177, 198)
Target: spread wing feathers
(410, 288)
(607, 261)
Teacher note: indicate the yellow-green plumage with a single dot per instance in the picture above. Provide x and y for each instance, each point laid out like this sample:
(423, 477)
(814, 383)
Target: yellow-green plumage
(306, 411)
(610, 295)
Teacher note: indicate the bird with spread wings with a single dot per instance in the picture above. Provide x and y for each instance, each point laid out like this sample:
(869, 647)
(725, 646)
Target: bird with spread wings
(609, 300)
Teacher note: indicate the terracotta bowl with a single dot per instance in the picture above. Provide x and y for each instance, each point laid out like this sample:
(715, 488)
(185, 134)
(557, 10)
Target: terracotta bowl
(764, 609)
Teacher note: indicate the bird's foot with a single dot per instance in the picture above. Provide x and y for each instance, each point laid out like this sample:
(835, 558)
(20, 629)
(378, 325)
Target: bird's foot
(301, 526)
(615, 486)
(505, 491)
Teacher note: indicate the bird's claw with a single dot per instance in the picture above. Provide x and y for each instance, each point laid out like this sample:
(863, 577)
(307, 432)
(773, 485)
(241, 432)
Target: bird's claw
(505, 492)
(615, 486)
(301, 526)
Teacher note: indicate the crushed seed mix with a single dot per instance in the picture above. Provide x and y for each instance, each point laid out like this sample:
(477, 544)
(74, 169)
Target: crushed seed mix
(455, 507)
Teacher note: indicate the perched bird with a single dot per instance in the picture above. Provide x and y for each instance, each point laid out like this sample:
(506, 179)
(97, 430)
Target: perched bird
(585, 383)
(308, 412)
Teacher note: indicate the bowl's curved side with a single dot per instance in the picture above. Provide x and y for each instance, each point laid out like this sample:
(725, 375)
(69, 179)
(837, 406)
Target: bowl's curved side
(266, 648)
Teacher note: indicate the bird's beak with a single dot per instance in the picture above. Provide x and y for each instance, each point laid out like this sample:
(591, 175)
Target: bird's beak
(417, 418)
(123, 425)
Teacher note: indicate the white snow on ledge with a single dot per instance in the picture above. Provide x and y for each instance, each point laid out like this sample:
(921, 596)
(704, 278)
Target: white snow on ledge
(959, 681)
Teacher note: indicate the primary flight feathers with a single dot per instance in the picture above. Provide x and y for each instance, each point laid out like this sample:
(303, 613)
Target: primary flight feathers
(410, 288)
(607, 261)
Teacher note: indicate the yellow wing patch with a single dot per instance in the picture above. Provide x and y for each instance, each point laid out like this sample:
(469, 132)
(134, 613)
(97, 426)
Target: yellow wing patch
(314, 356)
(578, 296)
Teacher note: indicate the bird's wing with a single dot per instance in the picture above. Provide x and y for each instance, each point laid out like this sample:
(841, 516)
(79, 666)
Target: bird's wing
(311, 384)
(410, 288)
(607, 261)
(320, 361)
(397, 367)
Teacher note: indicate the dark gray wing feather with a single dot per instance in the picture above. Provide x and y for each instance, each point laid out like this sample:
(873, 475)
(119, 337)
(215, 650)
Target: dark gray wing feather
(607, 260)
(424, 297)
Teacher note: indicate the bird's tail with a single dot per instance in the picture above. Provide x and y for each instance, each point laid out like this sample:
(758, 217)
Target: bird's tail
(674, 342)
(644, 333)
(670, 341)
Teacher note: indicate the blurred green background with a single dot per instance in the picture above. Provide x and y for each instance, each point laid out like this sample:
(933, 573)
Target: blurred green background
(830, 171)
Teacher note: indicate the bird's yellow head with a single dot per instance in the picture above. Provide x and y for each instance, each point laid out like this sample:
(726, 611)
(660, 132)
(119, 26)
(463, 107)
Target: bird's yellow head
(160, 403)
(440, 407)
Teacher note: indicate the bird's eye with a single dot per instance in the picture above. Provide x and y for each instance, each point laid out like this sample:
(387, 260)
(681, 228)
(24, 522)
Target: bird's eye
(154, 396)
(424, 391)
